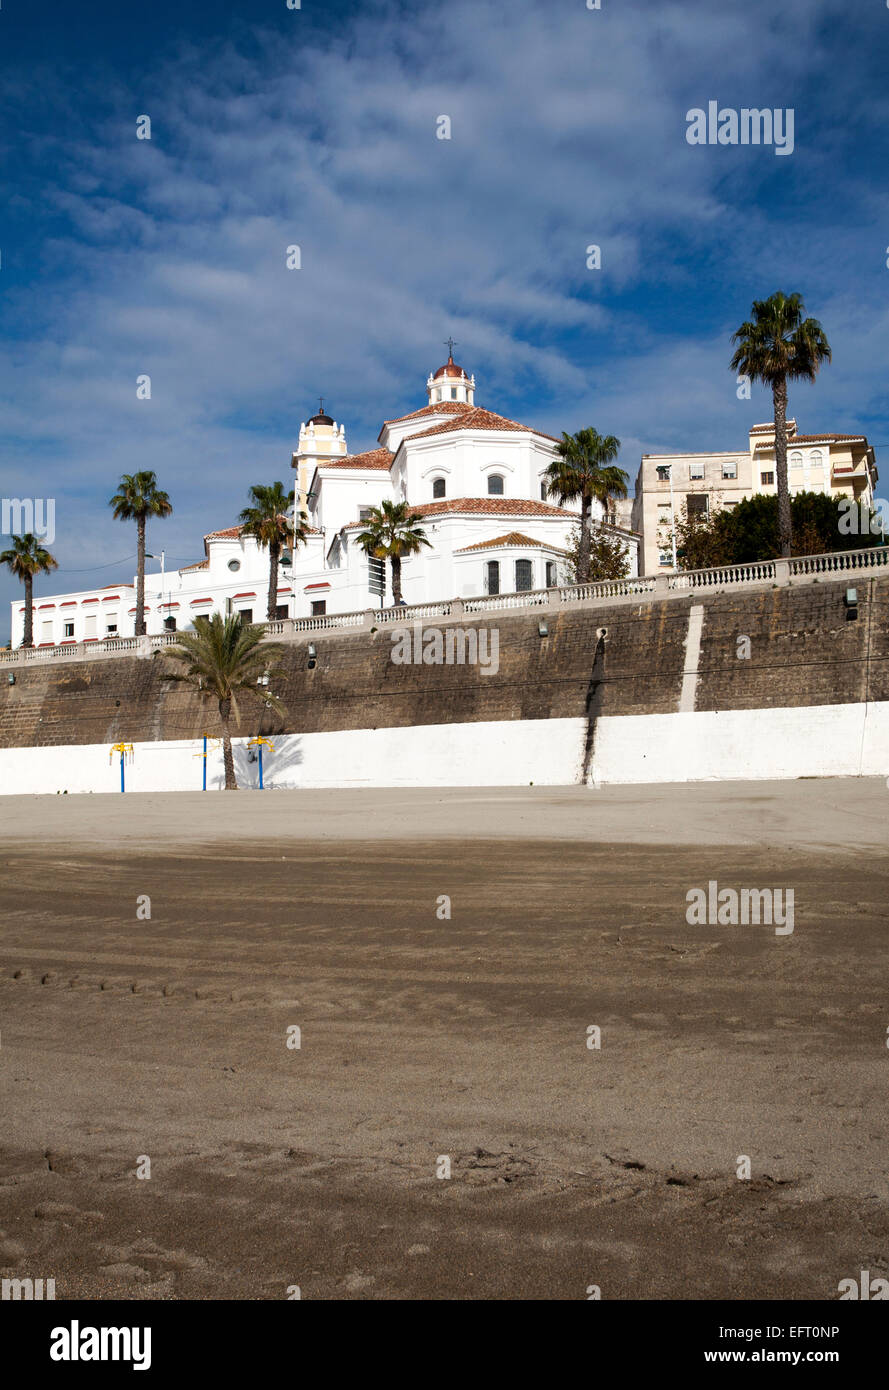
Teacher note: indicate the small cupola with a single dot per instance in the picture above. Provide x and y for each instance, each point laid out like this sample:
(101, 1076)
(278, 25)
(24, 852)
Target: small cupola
(450, 382)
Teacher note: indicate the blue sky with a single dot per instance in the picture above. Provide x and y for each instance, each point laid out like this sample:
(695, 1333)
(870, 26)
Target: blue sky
(317, 127)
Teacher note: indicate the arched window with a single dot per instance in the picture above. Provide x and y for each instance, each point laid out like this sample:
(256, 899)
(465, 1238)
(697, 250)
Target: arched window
(524, 575)
(815, 458)
(493, 577)
(796, 459)
(438, 487)
(495, 484)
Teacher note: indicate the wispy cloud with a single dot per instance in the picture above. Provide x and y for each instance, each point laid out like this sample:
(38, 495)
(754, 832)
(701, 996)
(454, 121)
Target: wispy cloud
(167, 256)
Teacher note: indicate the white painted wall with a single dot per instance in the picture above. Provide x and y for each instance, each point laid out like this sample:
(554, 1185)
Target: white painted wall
(821, 740)
(811, 741)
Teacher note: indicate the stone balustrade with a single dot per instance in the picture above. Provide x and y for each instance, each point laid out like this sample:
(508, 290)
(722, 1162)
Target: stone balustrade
(768, 573)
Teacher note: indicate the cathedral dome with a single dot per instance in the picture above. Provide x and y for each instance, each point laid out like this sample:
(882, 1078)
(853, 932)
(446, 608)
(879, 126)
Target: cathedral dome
(450, 368)
(450, 384)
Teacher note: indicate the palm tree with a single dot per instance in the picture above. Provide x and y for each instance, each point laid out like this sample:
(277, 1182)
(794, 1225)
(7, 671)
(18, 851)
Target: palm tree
(585, 469)
(224, 658)
(392, 533)
(776, 345)
(137, 498)
(267, 522)
(26, 558)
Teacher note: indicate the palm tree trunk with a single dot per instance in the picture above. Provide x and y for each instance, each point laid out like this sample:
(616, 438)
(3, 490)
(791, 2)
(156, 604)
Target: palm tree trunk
(228, 761)
(396, 578)
(272, 606)
(583, 553)
(28, 639)
(140, 577)
(785, 529)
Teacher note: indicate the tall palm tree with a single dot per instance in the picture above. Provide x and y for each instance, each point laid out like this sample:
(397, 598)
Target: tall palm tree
(392, 533)
(267, 522)
(25, 558)
(224, 658)
(778, 344)
(585, 469)
(137, 498)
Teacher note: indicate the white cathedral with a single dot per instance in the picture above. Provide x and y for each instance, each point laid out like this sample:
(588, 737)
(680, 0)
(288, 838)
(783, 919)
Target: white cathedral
(475, 479)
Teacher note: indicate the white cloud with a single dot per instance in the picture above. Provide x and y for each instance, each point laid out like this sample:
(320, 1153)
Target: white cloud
(568, 128)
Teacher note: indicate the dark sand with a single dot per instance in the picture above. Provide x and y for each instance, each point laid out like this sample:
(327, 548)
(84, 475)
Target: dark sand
(422, 1037)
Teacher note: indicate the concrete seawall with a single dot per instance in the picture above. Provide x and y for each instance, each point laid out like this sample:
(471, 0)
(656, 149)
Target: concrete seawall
(770, 683)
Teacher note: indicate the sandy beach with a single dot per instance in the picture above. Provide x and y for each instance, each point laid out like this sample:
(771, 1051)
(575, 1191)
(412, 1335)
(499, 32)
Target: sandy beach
(426, 1037)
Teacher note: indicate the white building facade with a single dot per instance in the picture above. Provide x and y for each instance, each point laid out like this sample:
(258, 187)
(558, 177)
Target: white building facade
(474, 478)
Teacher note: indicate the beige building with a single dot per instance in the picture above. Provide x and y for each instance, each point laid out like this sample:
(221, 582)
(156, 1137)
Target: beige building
(841, 464)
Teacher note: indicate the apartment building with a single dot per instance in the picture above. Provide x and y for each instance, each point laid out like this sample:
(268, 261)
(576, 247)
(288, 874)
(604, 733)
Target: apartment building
(668, 484)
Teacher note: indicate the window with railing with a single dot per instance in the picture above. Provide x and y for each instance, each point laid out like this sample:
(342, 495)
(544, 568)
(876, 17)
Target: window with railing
(492, 577)
(524, 575)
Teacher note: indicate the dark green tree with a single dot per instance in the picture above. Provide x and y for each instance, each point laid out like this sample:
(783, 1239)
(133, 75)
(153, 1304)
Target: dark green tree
(776, 346)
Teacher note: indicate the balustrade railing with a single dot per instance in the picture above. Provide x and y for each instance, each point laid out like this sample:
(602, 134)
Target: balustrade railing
(645, 587)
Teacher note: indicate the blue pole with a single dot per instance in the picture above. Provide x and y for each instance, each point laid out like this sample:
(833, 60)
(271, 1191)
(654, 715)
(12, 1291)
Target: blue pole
(204, 787)
(122, 787)
(260, 767)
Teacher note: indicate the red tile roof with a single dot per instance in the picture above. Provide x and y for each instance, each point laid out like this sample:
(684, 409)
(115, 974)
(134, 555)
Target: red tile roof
(437, 408)
(483, 506)
(511, 538)
(201, 565)
(492, 506)
(373, 458)
(231, 533)
(819, 438)
(476, 418)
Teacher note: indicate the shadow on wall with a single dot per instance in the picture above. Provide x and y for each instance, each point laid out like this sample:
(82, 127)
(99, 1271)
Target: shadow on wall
(278, 765)
(594, 696)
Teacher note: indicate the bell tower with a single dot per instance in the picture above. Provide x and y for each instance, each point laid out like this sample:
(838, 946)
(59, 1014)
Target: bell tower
(320, 439)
